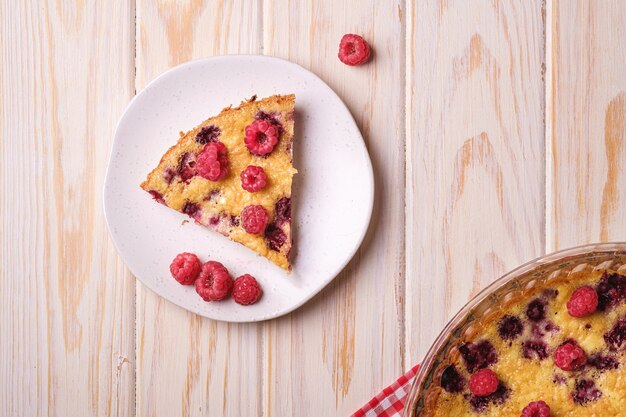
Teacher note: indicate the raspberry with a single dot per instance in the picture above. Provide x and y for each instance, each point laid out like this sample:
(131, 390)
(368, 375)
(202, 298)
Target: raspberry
(261, 137)
(253, 178)
(534, 349)
(187, 166)
(214, 282)
(583, 302)
(483, 382)
(586, 391)
(616, 337)
(569, 356)
(275, 237)
(192, 210)
(212, 162)
(536, 409)
(283, 210)
(353, 50)
(254, 219)
(246, 290)
(185, 268)
(208, 134)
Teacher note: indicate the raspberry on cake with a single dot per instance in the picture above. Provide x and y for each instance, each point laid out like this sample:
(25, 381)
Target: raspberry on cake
(239, 159)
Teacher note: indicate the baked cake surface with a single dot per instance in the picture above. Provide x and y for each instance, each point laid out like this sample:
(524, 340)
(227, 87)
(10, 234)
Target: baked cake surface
(218, 204)
(518, 343)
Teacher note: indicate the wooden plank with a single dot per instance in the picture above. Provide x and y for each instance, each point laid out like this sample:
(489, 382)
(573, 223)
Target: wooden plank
(188, 365)
(329, 357)
(586, 122)
(66, 300)
(475, 153)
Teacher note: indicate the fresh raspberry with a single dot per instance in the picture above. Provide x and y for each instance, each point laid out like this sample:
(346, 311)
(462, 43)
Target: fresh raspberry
(583, 302)
(483, 382)
(212, 162)
(353, 50)
(214, 282)
(185, 268)
(253, 178)
(261, 137)
(246, 290)
(536, 409)
(254, 219)
(569, 356)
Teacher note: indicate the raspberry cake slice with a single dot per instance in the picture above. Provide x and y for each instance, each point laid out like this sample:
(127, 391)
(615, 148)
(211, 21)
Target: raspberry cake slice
(233, 173)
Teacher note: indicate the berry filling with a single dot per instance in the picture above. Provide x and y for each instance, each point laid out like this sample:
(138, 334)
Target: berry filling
(603, 362)
(583, 302)
(536, 409)
(214, 282)
(586, 392)
(254, 219)
(192, 209)
(536, 310)
(616, 337)
(353, 50)
(611, 291)
(212, 162)
(253, 178)
(478, 355)
(451, 380)
(208, 134)
(283, 210)
(510, 328)
(275, 237)
(261, 137)
(479, 404)
(187, 166)
(534, 349)
(158, 197)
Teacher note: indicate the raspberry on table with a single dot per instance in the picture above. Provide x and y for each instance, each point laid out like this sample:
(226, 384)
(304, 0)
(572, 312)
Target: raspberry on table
(253, 178)
(261, 137)
(582, 302)
(246, 290)
(254, 219)
(212, 162)
(214, 282)
(569, 356)
(483, 382)
(536, 409)
(185, 268)
(353, 50)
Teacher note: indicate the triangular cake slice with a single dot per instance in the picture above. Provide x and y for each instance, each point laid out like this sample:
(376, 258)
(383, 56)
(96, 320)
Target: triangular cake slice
(233, 172)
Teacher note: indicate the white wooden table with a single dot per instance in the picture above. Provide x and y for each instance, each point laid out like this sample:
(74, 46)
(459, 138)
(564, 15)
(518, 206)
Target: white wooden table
(497, 130)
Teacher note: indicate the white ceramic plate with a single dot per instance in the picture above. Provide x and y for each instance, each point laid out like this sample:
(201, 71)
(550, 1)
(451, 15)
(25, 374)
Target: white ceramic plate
(332, 196)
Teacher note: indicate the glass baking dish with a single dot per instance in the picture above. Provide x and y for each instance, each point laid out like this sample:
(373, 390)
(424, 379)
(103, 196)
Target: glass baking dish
(537, 272)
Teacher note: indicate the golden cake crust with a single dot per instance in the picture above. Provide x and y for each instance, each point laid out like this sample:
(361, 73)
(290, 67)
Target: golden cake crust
(530, 380)
(221, 202)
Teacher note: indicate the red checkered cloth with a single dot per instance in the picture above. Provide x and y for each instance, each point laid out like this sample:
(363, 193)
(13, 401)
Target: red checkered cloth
(390, 401)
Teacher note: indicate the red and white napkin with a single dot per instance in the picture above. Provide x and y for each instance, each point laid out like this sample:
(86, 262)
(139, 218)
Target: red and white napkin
(390, 401)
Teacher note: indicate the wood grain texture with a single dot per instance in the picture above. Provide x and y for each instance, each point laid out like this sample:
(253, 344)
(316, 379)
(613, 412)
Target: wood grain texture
(330, 356)
(586, 122)
(66, 300)
(475, 153)
(189, 365)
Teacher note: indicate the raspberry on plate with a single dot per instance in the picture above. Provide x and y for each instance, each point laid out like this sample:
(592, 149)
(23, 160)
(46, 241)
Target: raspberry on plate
(253, 178)
(261, 137)
(353, 50)
(483, 382)
(212, 162)
(583, 302)
(254, 219)
(246, 290)
(569, 356)
(185, 268)
(214, 282)
(536, 409)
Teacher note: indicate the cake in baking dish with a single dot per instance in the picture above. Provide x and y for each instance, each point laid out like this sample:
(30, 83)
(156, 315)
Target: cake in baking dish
(556, 350)
(233, 173)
